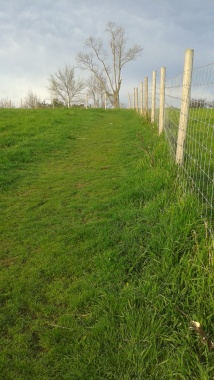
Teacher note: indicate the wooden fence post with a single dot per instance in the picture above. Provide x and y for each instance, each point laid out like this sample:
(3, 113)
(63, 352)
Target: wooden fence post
(145, 96)
(141, 98)
(162, 99)
(185, 101)
(153, 96)
(136, 98)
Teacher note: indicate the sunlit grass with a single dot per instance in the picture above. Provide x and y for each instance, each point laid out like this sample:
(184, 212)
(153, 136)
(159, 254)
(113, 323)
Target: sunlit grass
(104, 261)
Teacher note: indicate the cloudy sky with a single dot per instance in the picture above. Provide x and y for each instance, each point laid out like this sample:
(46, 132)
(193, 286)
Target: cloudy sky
(39, 36)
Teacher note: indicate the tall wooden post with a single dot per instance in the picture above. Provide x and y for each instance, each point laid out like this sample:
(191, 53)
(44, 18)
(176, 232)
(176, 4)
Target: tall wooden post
(185, 102)
(136, 99)
(145, 96)
(162, 99)
(153, 96)
(141, 98)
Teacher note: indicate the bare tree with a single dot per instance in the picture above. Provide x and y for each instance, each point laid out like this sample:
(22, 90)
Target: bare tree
(96, 91)
(31, 100)
(6, 103)
(108, 64)
(64, 86)
(198, 103)
(211, 104)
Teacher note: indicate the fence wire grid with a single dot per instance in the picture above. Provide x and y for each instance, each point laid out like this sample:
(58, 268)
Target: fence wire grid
(197, 168)
(198, 164)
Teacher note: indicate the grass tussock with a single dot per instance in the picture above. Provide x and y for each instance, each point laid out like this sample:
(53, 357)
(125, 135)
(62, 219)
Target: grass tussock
(105, 262)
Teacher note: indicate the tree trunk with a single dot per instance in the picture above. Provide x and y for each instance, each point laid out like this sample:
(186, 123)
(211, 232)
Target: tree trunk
(116, 99)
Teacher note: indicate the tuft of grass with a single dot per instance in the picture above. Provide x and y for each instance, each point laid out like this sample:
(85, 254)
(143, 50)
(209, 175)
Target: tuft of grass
(104, 260)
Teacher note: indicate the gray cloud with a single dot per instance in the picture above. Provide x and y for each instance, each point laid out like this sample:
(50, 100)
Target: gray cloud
(39, 36)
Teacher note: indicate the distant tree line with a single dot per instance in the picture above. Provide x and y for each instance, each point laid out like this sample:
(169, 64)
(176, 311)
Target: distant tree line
(201, 103)
(6, 103)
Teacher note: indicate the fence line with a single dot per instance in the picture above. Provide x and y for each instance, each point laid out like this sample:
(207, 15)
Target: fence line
(183, 109)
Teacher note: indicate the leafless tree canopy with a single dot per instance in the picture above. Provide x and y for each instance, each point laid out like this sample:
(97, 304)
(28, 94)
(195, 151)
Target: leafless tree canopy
(106, 64)
(96, 91)
(6, 103)
(64, 86)
(31, 100)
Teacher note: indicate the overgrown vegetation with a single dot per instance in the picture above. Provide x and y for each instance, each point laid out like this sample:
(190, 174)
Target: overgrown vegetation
(104, 261)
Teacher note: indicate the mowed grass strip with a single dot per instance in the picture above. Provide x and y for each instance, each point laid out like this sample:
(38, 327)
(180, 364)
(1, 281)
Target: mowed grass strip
(104, 261)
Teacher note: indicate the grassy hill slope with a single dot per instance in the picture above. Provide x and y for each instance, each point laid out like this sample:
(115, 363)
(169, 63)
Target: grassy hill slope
(104, 260)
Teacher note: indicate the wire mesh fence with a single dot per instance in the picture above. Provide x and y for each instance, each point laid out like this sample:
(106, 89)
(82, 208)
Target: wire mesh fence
(199, 147)
(196, 168)
(198, 163)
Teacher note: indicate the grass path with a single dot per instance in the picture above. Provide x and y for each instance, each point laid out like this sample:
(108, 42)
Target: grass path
(99, 252)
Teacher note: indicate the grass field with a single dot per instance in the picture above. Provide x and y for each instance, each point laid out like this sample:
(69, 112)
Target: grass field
(104, 261)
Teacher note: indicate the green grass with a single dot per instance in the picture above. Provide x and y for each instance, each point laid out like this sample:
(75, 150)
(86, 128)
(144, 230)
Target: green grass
(101, 252)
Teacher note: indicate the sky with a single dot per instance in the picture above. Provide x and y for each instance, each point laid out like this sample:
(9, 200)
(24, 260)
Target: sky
(39, 36)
